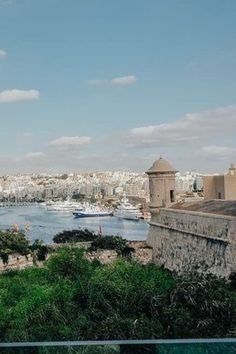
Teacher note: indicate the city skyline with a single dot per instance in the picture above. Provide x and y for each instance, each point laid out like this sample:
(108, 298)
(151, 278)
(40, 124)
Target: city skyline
(101, 85)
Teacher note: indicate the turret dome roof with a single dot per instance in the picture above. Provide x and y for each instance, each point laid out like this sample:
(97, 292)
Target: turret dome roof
(161, 166)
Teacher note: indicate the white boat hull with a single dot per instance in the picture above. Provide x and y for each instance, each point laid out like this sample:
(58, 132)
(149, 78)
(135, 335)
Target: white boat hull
(127, 211)
(128, 216)
(82, 214)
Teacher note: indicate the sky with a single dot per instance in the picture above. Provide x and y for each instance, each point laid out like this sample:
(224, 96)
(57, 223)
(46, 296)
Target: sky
(91, 85)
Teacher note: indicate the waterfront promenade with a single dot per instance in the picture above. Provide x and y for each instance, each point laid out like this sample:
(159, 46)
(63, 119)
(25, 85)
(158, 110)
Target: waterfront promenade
(16, 204)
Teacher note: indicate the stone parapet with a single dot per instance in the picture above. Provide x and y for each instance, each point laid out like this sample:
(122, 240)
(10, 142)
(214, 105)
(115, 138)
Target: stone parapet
(16, 261)
(211, 225)
(187, 240)
(142, 254)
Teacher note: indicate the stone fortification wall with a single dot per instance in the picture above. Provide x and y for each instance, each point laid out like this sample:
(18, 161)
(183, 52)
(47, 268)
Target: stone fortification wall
(187, 240)
(103, 256)
(16, 261)
(142, 254)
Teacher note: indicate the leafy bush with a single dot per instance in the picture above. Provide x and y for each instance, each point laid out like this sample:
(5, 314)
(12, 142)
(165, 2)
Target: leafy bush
(232, 279)
(74, 299)
(5, 256)
(13, 242)
(71, 236)
(39, 249)
(199, 306)
(69, 263)
(116, 243)
(126, 288)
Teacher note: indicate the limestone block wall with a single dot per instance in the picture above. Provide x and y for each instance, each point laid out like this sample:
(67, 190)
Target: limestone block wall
(142, 254)
(16, 261)
(214, 187)
(211, 225)
(185, 240)
(230, 187)
(104, 256)
(209, 187)
(160, 186)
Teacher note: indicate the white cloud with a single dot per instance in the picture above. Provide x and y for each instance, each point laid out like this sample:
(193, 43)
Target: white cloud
(192, 128)
(16, 95)
(34, 155)
(215, 151)
(124, 80)
(98, 82)
(3, 53)
(116, 81)
(70, 141)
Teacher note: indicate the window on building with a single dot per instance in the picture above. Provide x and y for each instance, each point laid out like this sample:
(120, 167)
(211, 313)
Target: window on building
(172, 196)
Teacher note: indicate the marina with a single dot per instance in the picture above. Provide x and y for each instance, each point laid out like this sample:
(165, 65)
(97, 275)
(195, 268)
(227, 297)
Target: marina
(42, 224)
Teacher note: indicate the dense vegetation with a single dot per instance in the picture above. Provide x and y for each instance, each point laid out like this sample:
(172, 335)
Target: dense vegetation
(117, 243)
(71, 236)
(71, 298)
(15, 241)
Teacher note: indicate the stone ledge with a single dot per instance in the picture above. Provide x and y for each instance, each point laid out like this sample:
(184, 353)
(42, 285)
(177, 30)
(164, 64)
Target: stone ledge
(189, 232)
(199, 213)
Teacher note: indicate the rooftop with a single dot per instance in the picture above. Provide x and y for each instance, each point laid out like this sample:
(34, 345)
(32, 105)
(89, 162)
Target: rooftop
(221, 207)
(161, 166)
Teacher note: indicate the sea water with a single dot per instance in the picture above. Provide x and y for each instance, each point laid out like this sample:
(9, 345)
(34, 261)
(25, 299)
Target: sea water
(43, 224)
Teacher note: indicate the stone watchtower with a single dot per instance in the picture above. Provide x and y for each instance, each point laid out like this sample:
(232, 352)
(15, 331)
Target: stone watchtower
(161, 184)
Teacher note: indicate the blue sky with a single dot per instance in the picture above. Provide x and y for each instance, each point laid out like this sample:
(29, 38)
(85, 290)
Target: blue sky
(111, 85)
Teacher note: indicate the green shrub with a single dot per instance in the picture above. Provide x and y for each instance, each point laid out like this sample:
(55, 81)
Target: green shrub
(71, 236)
(200, 305)
(39, 249)
(13, 242)
(116, 243)
(71, 298)
(69, 263)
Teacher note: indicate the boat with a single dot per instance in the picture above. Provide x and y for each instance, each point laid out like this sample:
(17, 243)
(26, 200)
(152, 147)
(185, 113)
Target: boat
(91, 211)
(126, 210)
(146, 216)
(66, 206)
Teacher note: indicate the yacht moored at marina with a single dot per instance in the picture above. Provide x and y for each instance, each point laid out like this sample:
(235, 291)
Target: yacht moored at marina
(92, 211)
(66, 206)
(126, 210)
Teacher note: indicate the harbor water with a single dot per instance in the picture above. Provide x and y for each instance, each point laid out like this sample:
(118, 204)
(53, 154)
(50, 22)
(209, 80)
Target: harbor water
(43, 224)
